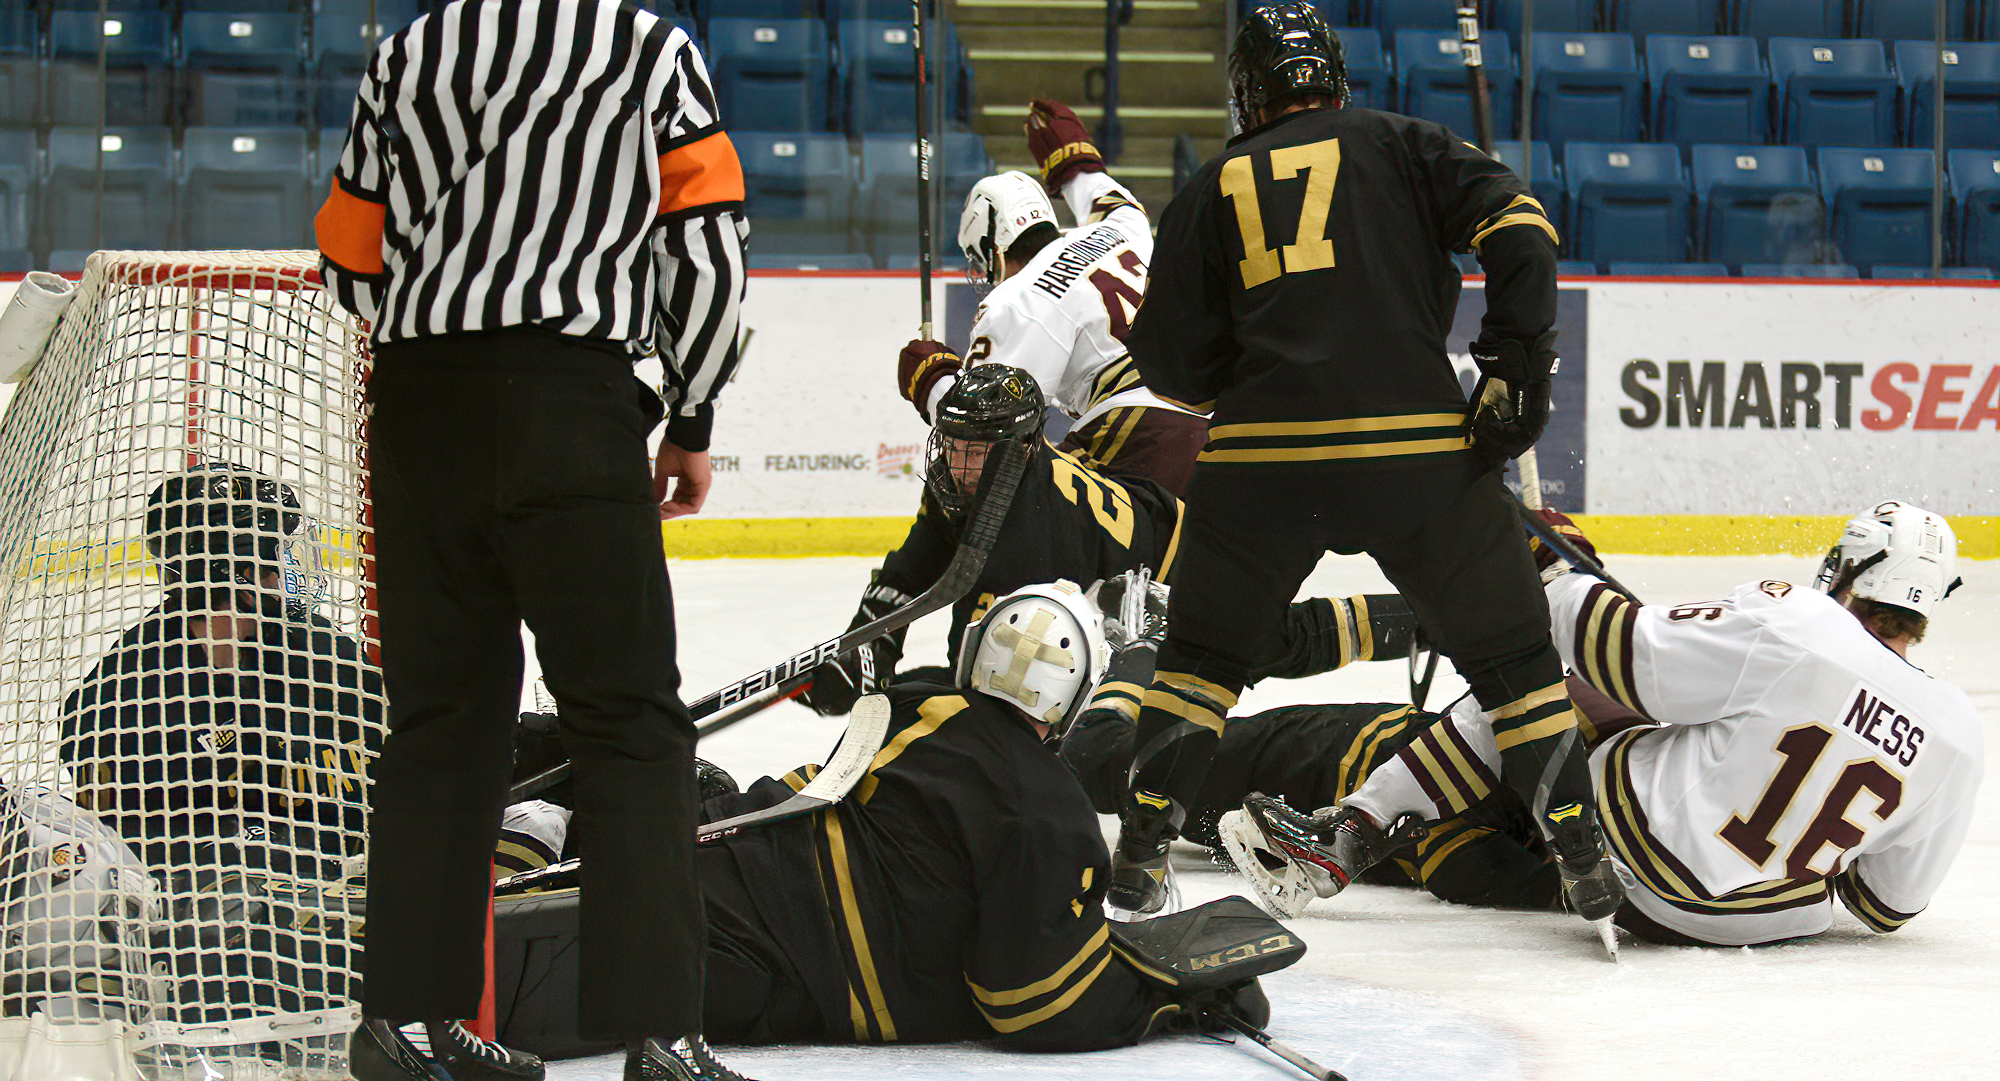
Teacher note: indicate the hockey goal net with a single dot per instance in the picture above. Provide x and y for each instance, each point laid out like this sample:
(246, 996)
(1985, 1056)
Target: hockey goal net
(188, 692)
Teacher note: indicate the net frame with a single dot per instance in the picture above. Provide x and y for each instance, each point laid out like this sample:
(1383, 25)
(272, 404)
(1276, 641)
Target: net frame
(222, 943)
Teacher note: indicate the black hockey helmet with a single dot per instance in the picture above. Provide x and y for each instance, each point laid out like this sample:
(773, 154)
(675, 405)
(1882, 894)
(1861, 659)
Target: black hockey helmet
(1283, 51)
(220, 523)
(988, 405)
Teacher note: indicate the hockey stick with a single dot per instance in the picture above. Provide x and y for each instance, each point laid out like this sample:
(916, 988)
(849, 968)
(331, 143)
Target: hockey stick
(1264, 1039)
(923, 172)
(1570, 553)
(789, 677)
(866, 726)
(1475, 73)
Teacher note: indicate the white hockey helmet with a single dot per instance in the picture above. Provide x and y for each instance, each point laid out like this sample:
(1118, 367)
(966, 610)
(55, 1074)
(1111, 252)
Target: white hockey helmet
(1040, 648)
(1908, 557)
(997, 211)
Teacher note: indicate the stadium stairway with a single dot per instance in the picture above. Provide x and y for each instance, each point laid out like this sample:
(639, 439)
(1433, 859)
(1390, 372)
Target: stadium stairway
(1171, 79)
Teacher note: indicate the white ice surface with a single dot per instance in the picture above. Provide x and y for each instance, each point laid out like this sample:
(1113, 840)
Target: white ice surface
(1399, 985)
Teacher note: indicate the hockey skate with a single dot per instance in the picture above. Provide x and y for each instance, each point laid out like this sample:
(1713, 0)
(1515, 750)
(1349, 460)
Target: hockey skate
(1141, 880)
(381, 1051)
(1590, 881)
(685, 1059)
(1290, 857)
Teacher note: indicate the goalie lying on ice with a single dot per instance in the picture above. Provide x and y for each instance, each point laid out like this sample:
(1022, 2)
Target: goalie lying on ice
(955, 893)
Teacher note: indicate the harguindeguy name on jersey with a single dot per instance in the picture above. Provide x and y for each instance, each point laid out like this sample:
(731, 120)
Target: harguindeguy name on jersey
(1866, 715)
(1076, 258)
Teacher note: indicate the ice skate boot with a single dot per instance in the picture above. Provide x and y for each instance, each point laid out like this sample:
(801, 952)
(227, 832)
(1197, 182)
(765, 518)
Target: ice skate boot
(685, 1059)
(1590, 882)
(381, 1051)
(1291, 858)
(1139, 871)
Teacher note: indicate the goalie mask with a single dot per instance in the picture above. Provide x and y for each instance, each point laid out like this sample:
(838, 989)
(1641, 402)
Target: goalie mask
(1907, 558)
(222, 524)
(1041, 649)
(997, 211)
(989, 404)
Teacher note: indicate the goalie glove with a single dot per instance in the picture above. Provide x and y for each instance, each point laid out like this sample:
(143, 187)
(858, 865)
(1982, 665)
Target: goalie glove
(918, 369)
(1511, 403)
(841, 682)
(1060, 143)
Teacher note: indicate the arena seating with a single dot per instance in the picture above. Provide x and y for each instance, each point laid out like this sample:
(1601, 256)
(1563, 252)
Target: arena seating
(138, 52)
(1628, 202)
(1431, 74)
(1668, 16)
(1545, 185)
(1756, 204)
(138, 205)
(244, 187)
(1587, 87)
(1367, 68)
(1975, 177)
(771, 74)
(243, 68)
(1879, 202)
(17, 190)
(20, 71)
(1669, 270)
(1707, 89)
(1793, 18)
(1833, 92)
(1564, 16)
(887, 212)
(1971, 92)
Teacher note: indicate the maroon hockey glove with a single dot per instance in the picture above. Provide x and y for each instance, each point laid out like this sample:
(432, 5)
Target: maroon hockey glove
(1545, 557)
(1059, 143)
(918, 369)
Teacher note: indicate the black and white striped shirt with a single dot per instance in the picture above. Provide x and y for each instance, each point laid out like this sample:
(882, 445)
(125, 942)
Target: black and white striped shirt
(556, 163)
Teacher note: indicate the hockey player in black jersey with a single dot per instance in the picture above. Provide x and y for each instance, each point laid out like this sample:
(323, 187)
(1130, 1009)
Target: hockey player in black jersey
(955, 893)
(1301, 289)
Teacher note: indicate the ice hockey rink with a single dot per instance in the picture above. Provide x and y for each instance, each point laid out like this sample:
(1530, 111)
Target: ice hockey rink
(1397, 985)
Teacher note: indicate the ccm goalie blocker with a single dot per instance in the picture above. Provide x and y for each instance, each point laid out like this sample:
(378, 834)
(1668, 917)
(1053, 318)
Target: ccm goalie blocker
(1291, 858)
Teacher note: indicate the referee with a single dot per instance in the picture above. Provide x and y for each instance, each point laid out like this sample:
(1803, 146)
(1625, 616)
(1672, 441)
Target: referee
(533, 194)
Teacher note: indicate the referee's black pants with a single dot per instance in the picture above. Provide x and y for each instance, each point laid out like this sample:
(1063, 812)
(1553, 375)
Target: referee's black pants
(1443, 530)
(510, 482)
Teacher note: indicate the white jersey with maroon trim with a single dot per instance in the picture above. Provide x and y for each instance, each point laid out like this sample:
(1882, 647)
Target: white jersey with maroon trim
(1063, 317)
(1797, 757)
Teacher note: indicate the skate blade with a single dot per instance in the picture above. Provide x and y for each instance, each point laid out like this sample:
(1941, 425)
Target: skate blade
(1286, 897)
(1607, 933)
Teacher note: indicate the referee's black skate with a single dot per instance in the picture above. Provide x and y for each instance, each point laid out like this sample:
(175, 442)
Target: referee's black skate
(382, 1051)
(685, 1059)
(1589, 880)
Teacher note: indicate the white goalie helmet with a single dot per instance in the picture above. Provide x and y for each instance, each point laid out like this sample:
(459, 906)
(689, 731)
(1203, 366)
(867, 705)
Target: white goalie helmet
(1908, 557)
(1040, 648)
(997, 211)
(73, 898)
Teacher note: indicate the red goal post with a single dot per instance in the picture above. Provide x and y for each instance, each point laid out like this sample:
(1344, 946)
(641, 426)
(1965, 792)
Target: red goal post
(182, 769)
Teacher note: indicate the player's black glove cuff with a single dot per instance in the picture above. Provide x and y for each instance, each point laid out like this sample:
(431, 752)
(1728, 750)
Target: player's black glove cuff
(1507, 418)
(1513, 360)
(1197, 1012)
(840, 683)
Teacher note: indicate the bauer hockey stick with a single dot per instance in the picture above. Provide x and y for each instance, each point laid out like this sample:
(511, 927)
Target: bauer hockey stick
(866, 726)
(789, 677)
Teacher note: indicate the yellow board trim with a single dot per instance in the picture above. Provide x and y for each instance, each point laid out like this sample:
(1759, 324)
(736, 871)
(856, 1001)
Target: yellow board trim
(1043, 986)
(1337, 427)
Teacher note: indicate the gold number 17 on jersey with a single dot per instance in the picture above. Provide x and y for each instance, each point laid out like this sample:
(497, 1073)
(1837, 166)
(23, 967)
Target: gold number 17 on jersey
(1311, 250)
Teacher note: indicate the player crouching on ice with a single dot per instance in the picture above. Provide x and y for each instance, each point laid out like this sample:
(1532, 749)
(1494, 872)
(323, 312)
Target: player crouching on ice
(956, 892)
(1756, 756)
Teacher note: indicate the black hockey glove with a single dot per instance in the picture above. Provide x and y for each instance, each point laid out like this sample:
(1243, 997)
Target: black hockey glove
(1195, 1011)
(840, 683)
(1511, 403)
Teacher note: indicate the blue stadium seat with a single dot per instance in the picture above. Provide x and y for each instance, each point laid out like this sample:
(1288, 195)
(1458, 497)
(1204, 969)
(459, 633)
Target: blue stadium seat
(332, 140)
(851, 260)
(1960, 273)
(138, 50)
(1669, 270)
(1367, 71)
(1575, 268)
(1392, 17)
(1971, 92)
(798, 191)
(887, 214)
(1628, 202)
(1880, 202)
(1565, 16)
(1586, 88)
(138, 206)
(1975, 177)
(244, 188)
(17, 187)
(770, 74)
(244, 69)
(1756, 204)
(881, 72)
(769, 9)
(1792, 18)
(1912, 19)
(343, 35)
(1643, 17)
(1545, 185)
(20, 72)
(1800, 270)
(1708, 89)
(1433, 83)
(1833, 93)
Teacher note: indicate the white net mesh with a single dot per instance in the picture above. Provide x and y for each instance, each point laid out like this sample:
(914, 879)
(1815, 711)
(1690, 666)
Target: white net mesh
(188, 694)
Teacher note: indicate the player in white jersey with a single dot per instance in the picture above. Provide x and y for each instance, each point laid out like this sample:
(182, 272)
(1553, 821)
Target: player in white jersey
(1758, 755)
(1058, 304)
